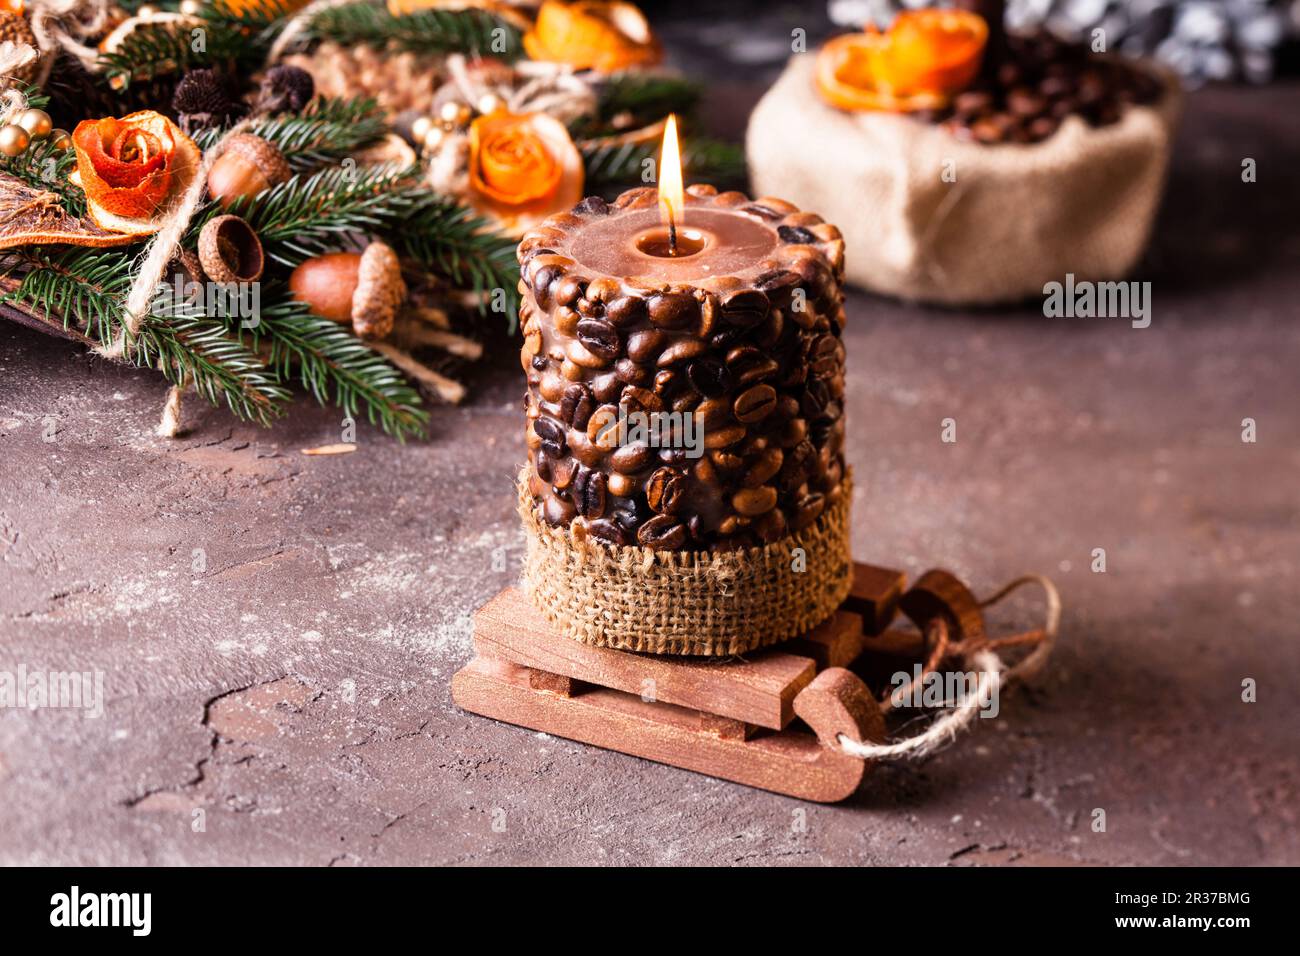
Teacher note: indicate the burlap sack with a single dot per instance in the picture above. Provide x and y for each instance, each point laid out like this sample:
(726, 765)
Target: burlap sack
(638, 599)
(1015, 218)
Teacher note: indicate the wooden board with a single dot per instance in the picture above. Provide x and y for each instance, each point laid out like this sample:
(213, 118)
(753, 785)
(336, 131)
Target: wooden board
(758, 689)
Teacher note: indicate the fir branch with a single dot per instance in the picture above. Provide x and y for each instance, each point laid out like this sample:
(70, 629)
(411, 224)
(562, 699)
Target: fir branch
(611, 167)
(312, 214)
(449, 238)
(262, 17)
(159, 49)
(334, 365)
(328, 131)
(87, 288)
(472, 32)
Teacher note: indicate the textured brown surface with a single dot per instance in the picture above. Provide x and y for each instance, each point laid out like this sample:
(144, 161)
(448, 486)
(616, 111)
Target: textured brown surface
(228, 689)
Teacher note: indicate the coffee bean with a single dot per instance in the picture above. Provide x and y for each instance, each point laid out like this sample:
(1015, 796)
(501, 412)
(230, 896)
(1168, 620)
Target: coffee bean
(798, 461)
(972, 102)
(630, 373)
(540, 362)
(1043, 127)
(577, 355)
(754, 501)
(726, 461)
(558, 512)
(680, 351)
(632, 458)
(824, 356)
(637, 399)
(603, 529)
(713, 413)
(591, 206)
(569, 290)
(623, 486)
(722, 437)
(544, 466)
(591, 503)
(808, 509)
(745, 308)
(665, 381)
(763, 212)
(600, 338)
(795, 235)
(747, 364)
(777, 283)
(625, 310)
(674, 456)
(644, 345)
(606, 388)
(709, 376)
(815, 397)
(771, 526)
(602, 427)
(754, 404)
(1025, 102)
(662, 533)
(551, 433)
(665, 492)
(562, 473)
(673, 310)
(764, 467)
(577, 405)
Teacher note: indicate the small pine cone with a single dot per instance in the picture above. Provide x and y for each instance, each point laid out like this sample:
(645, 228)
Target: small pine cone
(202, 98)
(286, 88)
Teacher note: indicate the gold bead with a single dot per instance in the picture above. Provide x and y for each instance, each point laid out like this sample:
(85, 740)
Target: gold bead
(454, 114)
(433, 139)
(60, 139)
(36, 122)
(145, 11)
(420, 128)
(191, 8)
(489, 103)
(13, 139)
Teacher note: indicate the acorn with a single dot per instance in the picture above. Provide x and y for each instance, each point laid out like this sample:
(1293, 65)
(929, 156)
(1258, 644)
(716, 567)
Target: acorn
(363, 288)
(229, 250)
(248, 165)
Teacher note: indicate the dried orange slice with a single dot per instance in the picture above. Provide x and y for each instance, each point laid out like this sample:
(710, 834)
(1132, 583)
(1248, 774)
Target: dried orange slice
(925, 57)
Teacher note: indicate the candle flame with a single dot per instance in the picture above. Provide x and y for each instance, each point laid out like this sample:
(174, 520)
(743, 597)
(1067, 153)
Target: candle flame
(671, 200)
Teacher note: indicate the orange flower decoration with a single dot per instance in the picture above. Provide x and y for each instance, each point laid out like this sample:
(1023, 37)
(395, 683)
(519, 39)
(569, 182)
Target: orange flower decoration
(590, 35)
(925, 57)
(132, 168)
(522, 168)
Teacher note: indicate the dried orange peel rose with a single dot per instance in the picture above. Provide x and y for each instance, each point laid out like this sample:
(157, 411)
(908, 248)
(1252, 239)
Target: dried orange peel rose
(924, 58)
(132, 168)
(588, 35)
(522, 168)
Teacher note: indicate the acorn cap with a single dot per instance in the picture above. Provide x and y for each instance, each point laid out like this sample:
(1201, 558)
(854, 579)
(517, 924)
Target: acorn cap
(380, 292)
(230, 251)
(262, 154)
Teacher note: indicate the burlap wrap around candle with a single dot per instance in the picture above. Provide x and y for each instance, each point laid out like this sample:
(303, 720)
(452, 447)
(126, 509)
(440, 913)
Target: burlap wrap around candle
(685, 491)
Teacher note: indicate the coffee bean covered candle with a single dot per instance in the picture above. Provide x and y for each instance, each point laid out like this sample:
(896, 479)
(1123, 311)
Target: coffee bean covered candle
(685, 488)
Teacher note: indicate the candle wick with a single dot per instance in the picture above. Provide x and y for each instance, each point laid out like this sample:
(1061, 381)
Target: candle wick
(672, 238)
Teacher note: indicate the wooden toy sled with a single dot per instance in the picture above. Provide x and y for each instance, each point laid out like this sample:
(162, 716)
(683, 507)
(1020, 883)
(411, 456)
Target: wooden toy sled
(771, 719)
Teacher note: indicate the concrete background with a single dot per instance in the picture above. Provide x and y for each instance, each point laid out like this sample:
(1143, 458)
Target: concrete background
(295, 690)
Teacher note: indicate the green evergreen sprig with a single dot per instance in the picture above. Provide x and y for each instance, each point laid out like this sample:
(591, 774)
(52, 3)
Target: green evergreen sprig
(152, 50)
(328, 131)
(334, 365)
(471, 31)
(638, 99)
(42, 166)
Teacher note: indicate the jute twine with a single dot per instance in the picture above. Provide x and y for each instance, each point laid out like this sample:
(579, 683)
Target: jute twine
(669, 602)
(992, 674)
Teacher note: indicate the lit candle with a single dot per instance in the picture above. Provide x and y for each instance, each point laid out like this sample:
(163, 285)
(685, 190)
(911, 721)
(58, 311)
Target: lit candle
(717, 316)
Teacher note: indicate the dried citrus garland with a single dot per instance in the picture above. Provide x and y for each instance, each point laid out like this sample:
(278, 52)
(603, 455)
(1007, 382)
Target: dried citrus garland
(606, 37)
(918, 63)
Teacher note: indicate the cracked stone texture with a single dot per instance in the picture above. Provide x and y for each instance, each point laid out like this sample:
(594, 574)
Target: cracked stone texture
(291, 683)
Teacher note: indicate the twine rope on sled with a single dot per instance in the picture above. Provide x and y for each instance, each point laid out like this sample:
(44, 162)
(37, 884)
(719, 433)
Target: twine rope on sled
(981, 656)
